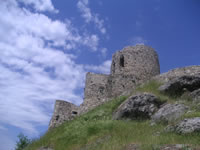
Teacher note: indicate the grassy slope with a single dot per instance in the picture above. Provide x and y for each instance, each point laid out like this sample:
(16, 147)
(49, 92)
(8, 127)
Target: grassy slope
(97, 131)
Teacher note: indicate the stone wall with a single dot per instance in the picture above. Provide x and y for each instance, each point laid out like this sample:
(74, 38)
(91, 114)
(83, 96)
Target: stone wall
(96, 86)
(130, 67)
(96, 91)
(63, 111)
(140, 61)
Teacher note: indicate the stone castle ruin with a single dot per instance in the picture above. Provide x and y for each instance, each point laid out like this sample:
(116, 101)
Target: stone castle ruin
(130, 67)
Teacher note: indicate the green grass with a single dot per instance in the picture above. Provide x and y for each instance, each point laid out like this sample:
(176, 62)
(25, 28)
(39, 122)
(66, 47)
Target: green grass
(96, 130)
(152, 87)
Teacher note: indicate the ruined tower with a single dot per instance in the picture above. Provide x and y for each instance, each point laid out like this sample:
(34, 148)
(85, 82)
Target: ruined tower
(131, 66)
(140, 61)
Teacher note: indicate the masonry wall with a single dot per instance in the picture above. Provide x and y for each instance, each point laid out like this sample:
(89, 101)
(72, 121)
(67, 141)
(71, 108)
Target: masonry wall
(96, 86)
(122, 84)
(140, 61)
(96, 91)
(131, 66)
(63, 111)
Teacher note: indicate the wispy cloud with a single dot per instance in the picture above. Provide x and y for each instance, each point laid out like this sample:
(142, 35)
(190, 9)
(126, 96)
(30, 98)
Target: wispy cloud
(103, 68)
(34, 72)
(89, 16)
(138, 40)
(40, 5)
(104, 51)
(35, 64)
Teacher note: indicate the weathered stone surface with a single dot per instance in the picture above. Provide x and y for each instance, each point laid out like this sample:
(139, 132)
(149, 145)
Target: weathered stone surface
(120, 83)
(132, 147)
(140, 60)
(96, 91)
(188, 126)
(175, 147)
(177, 86)
(63, 111)
(140, 106)
(45, 148)
(195, 95)
(131, 66)
(96, 86)
(169, 112)
(178, 72)
(139, 63)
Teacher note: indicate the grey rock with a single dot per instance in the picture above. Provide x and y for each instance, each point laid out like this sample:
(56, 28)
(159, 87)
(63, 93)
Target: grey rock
(175, 147)
(178, 72)
(45, 148)
(195, 95)
(177, 86)
(132, 147)
(190, 125)
(169, 112)
(169, 128)
(140, 106)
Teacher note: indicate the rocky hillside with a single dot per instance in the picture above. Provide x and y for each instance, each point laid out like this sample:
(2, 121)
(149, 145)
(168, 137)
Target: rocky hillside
(163, 113)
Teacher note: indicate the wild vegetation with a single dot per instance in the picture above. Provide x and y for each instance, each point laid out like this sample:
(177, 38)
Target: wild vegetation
(96, 130)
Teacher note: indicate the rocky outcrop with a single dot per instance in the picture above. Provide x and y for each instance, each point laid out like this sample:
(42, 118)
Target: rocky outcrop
(178, 72)
(195, 96)
(169, 113)
(177, 86)
(140, 106)
(188, 126)
(176, 147)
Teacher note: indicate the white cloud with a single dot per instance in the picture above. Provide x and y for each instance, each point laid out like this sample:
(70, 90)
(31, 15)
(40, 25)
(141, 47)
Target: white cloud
(86, 12)
(104, 52)
(33, 71)
(103, 68)
(138, 40)
(40, 5)
(89, 16)
(17, 21)
(91, 41)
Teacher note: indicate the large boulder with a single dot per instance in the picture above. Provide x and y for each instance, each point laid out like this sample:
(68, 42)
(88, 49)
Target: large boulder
(169, 112)
(195, 95)
(139, 106)
(188, 125)
(177, 86)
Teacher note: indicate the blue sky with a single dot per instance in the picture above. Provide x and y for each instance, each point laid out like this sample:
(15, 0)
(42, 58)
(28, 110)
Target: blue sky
(47, 46)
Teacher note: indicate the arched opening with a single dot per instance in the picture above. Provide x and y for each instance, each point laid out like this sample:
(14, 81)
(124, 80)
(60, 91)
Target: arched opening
(74, 112)
(113, 69)
(121, 62)
(57, 117)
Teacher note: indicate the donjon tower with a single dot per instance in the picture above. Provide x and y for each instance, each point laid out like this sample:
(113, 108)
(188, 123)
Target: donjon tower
(130, 67)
